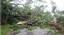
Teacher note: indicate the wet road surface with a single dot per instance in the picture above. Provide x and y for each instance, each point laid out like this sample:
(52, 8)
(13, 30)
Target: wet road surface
(37, 31)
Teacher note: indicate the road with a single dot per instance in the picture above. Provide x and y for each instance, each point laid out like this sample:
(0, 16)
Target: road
(37, 31)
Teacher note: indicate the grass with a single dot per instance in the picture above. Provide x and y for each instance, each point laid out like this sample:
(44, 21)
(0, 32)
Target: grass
(0, 29)
(4, 29)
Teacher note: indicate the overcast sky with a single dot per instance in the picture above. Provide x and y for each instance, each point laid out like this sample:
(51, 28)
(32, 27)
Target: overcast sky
(59, 3)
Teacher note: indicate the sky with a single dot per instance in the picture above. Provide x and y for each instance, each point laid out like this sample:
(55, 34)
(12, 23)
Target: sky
(59, 3)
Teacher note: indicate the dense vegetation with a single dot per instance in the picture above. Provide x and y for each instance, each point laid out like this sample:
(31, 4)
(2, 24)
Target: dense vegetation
(34, 17)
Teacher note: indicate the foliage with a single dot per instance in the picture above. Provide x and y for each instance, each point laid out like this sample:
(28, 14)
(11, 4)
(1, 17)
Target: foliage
(35, 17)
(13, 14)
(60, 20)
(6, 9)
